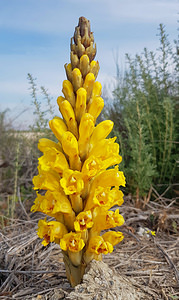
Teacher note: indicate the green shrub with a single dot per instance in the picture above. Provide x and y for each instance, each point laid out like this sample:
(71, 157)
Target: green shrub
(145, 114)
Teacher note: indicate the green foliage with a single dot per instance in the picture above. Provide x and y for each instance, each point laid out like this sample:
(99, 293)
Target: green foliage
(144, 112)
(42, 112)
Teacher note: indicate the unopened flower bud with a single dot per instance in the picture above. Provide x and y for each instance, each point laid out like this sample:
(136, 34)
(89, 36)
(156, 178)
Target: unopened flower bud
(96, 107)
(85, 130)
(58, 127)
(81, 95)
(68, 69)
(69, 116)
(88, 84)
(101, 131)
(84, 65)
(77, 80)
(94, 67)
(68, 92)
(74, 60)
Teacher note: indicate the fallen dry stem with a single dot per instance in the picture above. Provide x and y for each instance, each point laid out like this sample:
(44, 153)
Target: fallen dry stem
(150, 264)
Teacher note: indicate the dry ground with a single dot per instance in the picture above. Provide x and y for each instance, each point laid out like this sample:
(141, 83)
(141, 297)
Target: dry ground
(148, 264)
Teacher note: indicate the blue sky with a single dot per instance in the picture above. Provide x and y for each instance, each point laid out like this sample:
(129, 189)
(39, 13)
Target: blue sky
(35, 37)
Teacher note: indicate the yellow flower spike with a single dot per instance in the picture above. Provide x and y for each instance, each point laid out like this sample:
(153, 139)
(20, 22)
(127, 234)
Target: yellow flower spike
(70, 147)
(84, 65)
(51, 231)
(69, 116)
(85, 131)
(53, 159)
(77, 80)
(88, 84)
(68, 92)
(46, 144)
(47, 181)
(101, 131)
(58, 127)
(68, 69)
(83, 221)
(94, 67)
(79, 188)
(72, 182)
(80, 108)
(96, 107)
(72, 241)
(113, 237)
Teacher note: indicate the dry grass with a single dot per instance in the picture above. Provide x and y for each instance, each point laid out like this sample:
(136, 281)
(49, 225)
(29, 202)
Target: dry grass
(31, 271)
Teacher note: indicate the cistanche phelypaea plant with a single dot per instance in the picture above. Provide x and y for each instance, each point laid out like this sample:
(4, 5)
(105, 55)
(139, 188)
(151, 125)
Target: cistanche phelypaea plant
(81, 187)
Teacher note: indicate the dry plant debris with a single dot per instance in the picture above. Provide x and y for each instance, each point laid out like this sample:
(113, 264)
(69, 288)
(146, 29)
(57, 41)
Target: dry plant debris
(145, 263)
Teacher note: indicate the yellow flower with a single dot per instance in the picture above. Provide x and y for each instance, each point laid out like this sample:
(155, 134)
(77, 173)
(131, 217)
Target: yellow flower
(72, 241)
(113, 237)
(91, 167)
(151, 232)
(46, 144)
(105, 219)
(47, 181)
(98, 246)
(111, 177)
(51, 231)
(37, 203)
(72, 182)
(53, 159)
(83, 221)
(108, 151)
(52, 203)
(105, 197)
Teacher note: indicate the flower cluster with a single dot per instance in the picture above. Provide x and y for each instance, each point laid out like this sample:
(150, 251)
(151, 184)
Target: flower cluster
(81, 187)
